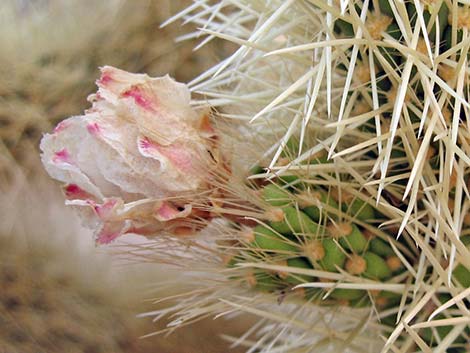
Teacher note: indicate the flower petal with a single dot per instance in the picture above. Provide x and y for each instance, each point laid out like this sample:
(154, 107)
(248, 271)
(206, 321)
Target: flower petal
(59, 151)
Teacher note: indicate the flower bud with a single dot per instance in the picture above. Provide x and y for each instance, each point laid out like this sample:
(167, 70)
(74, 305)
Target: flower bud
(135, 161)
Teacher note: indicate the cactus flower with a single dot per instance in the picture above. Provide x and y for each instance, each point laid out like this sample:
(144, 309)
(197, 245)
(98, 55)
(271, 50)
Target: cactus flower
(137, 159)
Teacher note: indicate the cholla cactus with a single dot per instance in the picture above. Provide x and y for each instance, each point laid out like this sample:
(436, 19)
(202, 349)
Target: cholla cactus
(352, 229)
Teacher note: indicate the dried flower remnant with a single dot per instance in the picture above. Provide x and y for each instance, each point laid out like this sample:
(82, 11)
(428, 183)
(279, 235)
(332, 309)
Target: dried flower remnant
(135, 161)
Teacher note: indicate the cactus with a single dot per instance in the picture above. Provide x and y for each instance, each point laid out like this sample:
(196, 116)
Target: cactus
(380, 88)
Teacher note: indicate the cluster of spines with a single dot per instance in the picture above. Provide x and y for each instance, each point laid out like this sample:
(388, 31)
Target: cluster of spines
(322, 228)
(316, 228)
(381, 24)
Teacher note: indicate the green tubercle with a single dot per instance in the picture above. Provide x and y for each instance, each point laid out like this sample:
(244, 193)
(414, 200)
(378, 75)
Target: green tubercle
(359, 209)
(442, 331)
(334, 256)
(349, 236)
(275, 195)
(354, 206)
(377, 268)
(291, 148)
(295, 221)
(362, 302)
(233, 261)
(344, 27)
(380, 247)
(288, 179)
(266, 239)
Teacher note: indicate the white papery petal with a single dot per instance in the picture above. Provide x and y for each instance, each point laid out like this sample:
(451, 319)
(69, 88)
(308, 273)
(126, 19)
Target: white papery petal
(68, 139)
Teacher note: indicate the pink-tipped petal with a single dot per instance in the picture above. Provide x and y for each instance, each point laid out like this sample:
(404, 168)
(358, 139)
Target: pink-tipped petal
(61, 126)
(105, 79)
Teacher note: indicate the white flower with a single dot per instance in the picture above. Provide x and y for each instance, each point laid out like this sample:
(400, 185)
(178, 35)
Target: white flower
(137, 159)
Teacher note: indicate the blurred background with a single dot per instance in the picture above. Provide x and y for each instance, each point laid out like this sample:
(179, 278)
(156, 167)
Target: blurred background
(51, 51)
(58, 293)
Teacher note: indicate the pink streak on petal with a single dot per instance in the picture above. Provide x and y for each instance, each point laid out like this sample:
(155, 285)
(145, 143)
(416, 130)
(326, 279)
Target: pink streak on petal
(106, 236)
(74, 192)
(139, 98)
(179, 156)
(146, 144)
(61, 126)
(105, 209)
(112, 230)
(94, 129)
(91, 203)
(105, 79)
(61, 156)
